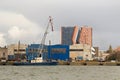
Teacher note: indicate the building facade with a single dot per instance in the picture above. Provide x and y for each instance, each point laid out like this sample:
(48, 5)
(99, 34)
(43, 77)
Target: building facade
(58, 52)
(3, 52)
(66, 35)
(17, 50)
(86, 35)
(75, 35)
(50, 52)
(80, 52)
(96, 51)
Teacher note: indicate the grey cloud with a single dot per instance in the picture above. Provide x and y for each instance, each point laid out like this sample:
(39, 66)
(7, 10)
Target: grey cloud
(102, 15)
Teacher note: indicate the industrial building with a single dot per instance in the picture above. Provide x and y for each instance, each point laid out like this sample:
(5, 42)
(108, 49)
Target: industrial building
(80, 41)
(80, 52)
(50, 52)
(17, 51)
(3, 52)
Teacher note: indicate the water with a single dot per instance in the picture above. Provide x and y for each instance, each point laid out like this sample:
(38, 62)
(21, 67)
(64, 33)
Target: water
(59, 73)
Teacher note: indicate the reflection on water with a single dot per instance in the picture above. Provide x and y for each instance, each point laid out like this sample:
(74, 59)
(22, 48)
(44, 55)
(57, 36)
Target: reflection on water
(59, 73)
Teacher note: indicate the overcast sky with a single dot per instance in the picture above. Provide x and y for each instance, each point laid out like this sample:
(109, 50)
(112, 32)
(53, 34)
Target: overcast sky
(26, 20)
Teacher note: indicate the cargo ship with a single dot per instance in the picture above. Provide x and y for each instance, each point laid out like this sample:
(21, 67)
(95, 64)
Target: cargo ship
(36, 62)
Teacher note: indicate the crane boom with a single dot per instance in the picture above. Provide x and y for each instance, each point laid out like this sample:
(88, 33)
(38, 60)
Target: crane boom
(50, 23)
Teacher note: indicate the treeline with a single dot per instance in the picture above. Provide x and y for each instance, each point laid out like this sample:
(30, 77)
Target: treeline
(114, 55)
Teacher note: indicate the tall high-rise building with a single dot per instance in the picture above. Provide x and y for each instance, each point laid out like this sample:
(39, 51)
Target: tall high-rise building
(69, 35)
(86, 35)
(73, 35)
(66, 35)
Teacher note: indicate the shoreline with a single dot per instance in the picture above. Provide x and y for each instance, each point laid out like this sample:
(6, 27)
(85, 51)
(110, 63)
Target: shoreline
(75, 63)
(89, 63)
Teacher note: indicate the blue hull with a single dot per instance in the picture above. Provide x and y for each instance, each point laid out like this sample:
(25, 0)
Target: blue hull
(35, 64)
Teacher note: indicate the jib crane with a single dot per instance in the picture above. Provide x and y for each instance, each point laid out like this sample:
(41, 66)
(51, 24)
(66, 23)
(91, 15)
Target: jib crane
(41, 47)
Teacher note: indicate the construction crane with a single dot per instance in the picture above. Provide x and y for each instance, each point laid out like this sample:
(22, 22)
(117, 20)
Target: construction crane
(41, 47)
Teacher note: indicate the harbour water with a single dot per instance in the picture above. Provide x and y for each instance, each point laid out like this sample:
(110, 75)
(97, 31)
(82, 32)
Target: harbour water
(59, 73)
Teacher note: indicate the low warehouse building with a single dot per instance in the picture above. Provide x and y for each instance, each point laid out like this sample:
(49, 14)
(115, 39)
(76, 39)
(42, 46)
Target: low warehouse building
(80, 52)
(50, 52)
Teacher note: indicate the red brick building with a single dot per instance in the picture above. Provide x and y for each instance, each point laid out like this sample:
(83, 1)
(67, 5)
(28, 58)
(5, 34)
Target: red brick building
(86, 35)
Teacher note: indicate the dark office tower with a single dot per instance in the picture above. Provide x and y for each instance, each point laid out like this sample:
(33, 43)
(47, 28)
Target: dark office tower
(86, 35)
(66, 35)
(69, 35)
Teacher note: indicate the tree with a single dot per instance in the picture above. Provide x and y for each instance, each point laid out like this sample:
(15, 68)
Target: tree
(110, 50)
